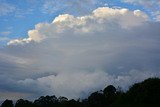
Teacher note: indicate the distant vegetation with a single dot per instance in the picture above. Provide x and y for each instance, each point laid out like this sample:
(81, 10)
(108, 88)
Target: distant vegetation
(143, 94)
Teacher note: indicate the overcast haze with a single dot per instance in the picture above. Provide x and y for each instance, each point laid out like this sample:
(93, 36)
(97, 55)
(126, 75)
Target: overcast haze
(74, 48)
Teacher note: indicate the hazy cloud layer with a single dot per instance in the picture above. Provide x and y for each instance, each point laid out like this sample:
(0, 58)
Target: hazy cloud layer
(147, 3)
(153, 6)
(6, 8)
(73, 56)
(76, 7)
(5, 33)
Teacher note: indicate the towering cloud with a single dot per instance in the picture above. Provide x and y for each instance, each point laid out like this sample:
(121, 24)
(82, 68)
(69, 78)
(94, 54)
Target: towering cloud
(97, 21)
(73, 56)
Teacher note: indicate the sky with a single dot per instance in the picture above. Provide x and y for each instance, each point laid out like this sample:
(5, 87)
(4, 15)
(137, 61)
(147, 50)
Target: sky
(75, 47)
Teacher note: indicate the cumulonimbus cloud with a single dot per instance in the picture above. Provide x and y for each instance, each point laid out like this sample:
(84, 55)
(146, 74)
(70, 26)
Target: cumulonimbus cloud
(72, 56)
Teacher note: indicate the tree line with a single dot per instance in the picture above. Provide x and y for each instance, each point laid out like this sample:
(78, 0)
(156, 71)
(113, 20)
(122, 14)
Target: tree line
(142, 94)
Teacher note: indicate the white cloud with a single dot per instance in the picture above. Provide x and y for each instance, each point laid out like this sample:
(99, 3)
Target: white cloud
(73, 56)
(19, 41)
